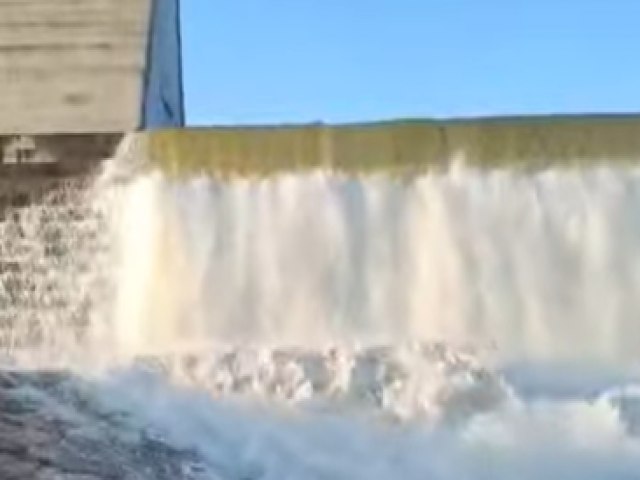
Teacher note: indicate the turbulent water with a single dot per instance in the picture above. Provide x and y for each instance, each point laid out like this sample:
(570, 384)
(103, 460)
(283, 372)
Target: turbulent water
(473, 324)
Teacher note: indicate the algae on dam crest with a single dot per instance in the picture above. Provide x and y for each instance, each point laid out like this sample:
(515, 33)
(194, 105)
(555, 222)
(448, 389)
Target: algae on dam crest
(403, 146)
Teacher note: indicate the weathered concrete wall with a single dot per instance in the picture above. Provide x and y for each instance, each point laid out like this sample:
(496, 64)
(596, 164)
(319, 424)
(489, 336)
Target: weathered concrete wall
(76, 66)
(54, 155)
(402, 146)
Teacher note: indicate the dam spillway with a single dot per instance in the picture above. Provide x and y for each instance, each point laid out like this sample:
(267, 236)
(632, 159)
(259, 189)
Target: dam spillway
(257, 311)
(405, 299)
(416, 229)
(401, 146)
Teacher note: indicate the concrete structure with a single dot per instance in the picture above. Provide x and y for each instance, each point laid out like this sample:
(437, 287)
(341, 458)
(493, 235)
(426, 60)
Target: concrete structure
(399, 146)
(75, 75)
(89, 66)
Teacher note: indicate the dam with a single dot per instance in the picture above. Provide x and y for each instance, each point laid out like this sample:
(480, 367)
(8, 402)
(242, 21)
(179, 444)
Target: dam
(75, 77)
(412, 298)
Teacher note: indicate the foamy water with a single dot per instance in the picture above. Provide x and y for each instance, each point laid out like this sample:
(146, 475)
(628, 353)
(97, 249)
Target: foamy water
(531, 440)
(463, 325)
(542, 266)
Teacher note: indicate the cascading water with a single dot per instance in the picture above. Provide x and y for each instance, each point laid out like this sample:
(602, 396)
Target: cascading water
(51, 253)
(539, 266)
(462, 324)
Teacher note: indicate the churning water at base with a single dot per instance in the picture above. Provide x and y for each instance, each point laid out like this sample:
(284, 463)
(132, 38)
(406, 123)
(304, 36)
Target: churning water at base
(460, 325)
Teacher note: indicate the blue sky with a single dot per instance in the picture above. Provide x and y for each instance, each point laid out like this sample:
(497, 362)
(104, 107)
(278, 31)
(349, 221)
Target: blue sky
(279, 61)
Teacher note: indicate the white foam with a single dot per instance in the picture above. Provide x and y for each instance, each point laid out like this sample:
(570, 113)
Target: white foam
(531, 440)
(530, 266)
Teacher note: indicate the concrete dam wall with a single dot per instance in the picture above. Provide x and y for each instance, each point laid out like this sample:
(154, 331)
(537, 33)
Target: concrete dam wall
(75, 76)
(88, 67)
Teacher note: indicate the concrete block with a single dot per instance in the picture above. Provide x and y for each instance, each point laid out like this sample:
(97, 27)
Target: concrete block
(89, 66)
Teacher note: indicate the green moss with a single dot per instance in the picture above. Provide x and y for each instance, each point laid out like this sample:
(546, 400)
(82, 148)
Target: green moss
(397, 147)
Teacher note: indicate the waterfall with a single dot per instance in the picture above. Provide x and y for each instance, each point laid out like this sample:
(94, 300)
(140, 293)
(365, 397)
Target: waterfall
(541, 266)
(319, 324)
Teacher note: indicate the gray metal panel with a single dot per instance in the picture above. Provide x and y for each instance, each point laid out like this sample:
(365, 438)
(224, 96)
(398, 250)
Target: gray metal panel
(73, 66)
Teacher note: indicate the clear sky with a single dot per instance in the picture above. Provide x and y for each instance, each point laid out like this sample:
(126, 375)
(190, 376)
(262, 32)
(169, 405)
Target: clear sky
(278, 61)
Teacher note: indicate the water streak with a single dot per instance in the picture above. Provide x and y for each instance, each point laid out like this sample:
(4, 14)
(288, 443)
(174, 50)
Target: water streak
(528, 266)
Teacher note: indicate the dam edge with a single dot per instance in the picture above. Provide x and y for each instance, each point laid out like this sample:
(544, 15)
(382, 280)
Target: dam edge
(405, 146)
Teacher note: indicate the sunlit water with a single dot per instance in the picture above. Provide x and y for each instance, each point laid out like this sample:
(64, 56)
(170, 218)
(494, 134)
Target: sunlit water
(460, 325)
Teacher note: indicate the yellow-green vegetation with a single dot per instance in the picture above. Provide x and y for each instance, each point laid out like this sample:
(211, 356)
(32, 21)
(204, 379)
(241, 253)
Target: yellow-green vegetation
(398, 146)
